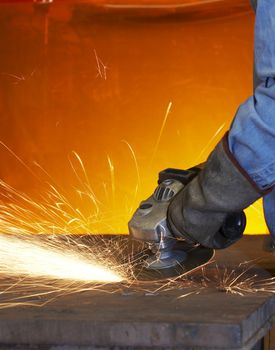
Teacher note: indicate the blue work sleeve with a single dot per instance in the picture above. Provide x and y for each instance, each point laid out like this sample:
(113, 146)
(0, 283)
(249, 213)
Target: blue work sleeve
(252, 133)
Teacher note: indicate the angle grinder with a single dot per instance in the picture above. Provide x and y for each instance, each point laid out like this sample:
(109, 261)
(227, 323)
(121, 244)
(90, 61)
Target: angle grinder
(166, 255)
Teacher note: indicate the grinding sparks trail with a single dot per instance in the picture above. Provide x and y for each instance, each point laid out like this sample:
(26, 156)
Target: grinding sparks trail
(22, 258)
(44, 254)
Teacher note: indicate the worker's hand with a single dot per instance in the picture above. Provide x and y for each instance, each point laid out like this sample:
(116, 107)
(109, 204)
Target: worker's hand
(200, 211)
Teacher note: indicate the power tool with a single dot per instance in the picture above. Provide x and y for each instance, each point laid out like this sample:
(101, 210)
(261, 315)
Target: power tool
(167, 256)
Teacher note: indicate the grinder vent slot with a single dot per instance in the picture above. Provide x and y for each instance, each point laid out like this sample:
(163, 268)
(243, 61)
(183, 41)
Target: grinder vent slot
(163, 193)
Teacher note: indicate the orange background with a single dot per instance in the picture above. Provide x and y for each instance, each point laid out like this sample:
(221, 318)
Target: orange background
(80, 76)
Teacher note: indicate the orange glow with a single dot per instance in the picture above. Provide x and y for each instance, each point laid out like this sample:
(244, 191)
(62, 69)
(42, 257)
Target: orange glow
(102, 86)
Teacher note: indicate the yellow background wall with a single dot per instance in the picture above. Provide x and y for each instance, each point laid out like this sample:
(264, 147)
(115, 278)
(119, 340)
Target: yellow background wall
(99, 82)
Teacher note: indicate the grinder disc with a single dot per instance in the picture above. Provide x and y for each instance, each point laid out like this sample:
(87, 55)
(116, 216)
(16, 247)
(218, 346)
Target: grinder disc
(195, 258)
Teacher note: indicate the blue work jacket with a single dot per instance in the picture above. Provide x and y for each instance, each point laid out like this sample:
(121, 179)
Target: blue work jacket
(252, 133)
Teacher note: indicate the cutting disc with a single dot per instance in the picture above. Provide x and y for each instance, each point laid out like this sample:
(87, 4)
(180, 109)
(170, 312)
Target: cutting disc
(195, 258)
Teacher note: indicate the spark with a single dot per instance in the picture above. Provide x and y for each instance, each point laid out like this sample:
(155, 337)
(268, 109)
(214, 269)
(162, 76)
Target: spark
(101, 67)
(19, 160)
(240, 280)
(88, 191)
(161, 132)
(138, 184)
(135, 161)
(218, 131)
(186, 295)
(112, 173)
(19, 77)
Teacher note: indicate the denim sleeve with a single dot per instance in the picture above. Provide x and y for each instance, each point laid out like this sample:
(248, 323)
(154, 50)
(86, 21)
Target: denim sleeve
(252, 133)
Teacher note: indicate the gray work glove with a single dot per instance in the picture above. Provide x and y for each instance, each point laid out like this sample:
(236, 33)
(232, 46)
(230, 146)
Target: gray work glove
(198, 212)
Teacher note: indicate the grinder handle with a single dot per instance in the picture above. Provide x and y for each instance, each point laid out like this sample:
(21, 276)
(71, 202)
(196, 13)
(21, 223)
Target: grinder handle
(184, 176)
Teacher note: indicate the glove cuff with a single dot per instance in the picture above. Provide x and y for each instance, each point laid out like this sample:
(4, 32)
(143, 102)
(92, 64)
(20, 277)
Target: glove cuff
(240, 168)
